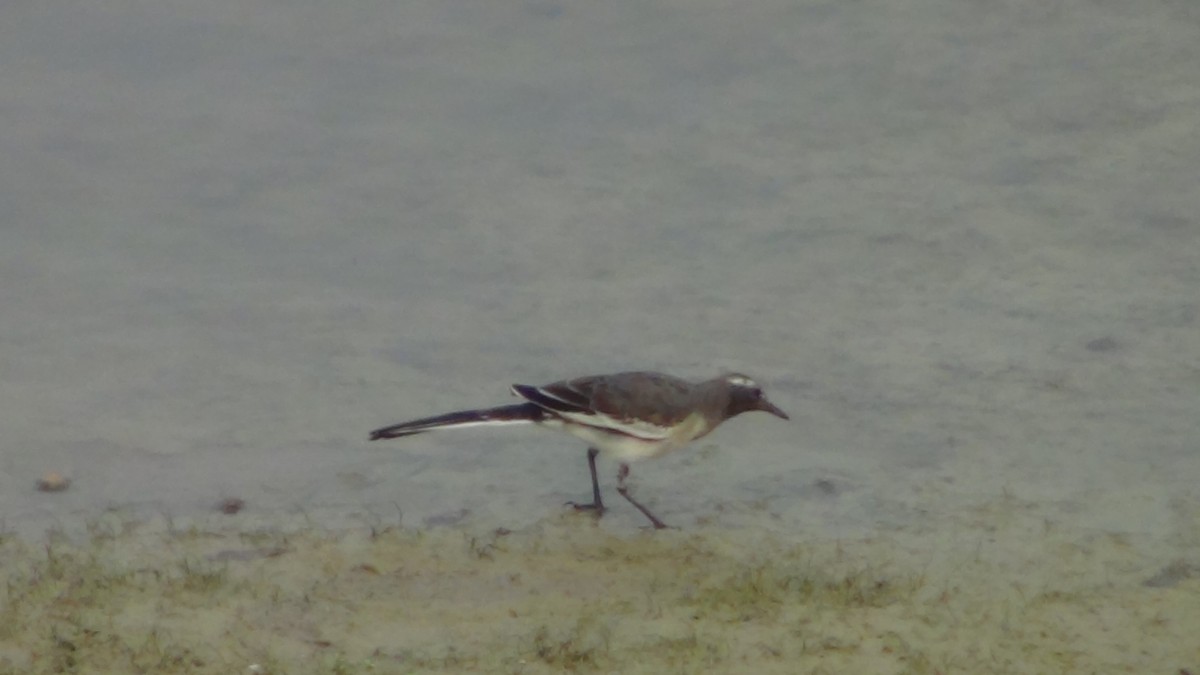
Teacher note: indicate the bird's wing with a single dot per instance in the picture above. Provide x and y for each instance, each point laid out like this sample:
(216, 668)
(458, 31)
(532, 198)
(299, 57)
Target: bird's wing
(642, 405)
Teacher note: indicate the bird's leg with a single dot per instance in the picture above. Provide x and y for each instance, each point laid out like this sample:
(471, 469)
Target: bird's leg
(596, 505)
(623, 473)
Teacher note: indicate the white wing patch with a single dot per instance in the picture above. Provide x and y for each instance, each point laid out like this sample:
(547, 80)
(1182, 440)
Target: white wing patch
(550, 394)
(637, 428)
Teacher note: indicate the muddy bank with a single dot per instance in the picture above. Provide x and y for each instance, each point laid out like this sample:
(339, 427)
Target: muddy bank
(565, 594)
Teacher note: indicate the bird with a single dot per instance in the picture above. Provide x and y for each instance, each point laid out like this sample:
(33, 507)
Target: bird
(629, 416)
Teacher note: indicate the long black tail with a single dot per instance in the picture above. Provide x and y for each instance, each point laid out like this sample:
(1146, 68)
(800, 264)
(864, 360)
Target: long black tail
(520, 413)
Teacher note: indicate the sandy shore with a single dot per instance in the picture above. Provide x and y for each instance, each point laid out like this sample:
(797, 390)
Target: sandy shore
(1005, 596)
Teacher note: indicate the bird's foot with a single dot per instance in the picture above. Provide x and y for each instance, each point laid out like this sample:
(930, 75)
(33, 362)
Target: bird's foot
(594, 507)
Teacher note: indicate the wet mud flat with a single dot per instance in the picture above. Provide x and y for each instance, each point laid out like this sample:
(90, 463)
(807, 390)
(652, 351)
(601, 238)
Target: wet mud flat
(567, 594)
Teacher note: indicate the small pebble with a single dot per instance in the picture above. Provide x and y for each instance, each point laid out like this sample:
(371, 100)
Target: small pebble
(53, 481)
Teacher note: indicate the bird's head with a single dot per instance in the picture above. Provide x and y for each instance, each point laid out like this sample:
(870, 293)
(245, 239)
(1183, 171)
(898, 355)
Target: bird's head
(745, 395)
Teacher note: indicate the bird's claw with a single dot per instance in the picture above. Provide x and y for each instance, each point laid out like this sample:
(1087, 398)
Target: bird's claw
(597, 508)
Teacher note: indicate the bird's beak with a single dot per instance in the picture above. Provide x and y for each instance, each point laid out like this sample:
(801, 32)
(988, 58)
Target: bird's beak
(766, 406)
